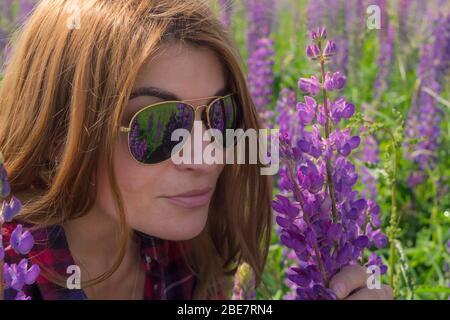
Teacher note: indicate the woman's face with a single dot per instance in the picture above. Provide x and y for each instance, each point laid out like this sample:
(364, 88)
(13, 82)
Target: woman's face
(154, 195)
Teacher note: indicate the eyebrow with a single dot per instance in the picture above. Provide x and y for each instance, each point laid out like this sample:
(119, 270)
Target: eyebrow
(163, 94)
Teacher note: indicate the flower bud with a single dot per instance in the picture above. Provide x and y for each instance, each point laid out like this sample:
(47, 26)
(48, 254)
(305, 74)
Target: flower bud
(313, 52)
(319, 34)
(330, 49)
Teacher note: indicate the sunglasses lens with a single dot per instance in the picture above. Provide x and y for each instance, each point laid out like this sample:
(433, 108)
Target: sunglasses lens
(223, 115)
(151, 131)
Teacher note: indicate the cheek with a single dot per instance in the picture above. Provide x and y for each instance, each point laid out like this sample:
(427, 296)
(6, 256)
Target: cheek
(135, 181)
(131, 175)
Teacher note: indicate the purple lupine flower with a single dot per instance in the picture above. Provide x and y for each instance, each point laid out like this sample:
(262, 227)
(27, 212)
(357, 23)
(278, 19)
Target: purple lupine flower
(12, 277)
(382, 4)
(320, 33)
(25, 7)
(347, 21)
(309, 85)
(261, 54)
(5, 188)
(21, 296)
(21, 241)
(340, 19)
(313, 51)
(332, 12)
(334, 81)
(15, 276)
(344, 37)
(244, 283)
(261, 78)
(260, 16)
(375, 260)
(218, 119)
(19, 275)
(359, 27)
(159, 130)
(330, 49)
(441, 47)
(183, 119)
(286, 106)
(291, 258)
(315, 14)
(325, 222)
(11, 19)
(28, 273)
(425, 115)
(6, 8)
(289, 122)
(360, 17)
(369, 153)
(3, 41)
(10, 210)
(385, 60)
(226, 11)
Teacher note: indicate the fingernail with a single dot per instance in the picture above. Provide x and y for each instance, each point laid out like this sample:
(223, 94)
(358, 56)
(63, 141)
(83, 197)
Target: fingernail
(339, 290)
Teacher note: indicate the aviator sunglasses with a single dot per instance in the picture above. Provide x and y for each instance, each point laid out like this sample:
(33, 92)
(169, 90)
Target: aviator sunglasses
(150, 129)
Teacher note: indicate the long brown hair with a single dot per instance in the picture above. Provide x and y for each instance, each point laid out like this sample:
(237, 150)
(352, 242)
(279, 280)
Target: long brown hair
(63, 96)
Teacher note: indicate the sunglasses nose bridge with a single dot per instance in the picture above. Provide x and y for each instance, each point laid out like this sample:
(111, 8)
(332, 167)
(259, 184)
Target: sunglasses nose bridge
(203, 113)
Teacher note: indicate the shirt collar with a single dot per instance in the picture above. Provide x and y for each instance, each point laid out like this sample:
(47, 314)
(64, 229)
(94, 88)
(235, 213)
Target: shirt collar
(154, 248)
(52, 250)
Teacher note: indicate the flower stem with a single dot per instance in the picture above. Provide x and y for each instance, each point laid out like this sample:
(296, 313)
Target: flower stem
(327, 135)
(394, 217)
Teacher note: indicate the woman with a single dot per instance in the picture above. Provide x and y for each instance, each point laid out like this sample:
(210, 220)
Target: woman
(79, 145)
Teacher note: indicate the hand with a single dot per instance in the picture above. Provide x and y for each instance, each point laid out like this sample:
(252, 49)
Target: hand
(351, 284)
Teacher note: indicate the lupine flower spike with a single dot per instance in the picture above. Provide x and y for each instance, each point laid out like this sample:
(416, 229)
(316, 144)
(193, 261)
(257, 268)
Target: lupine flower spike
(326, 222)
(14, 277)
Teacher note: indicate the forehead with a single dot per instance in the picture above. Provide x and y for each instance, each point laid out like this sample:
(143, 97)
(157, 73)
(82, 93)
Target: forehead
(188, 72)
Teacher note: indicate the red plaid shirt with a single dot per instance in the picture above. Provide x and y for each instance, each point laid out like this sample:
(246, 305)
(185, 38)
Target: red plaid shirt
(167, 275)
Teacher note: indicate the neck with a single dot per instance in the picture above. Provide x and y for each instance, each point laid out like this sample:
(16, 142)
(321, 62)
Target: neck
(94, 243)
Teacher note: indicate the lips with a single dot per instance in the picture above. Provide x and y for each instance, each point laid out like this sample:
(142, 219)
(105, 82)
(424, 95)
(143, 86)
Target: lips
(191, 199)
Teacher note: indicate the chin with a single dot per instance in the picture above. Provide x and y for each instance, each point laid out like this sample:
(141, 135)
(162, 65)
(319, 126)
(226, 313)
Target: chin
(181, 226)
(179, 234)
(186, 234)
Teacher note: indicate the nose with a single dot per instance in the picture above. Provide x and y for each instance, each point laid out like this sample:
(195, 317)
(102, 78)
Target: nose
(197, 144)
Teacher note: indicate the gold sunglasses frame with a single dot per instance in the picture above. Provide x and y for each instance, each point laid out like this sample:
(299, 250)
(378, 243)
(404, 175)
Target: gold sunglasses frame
(127, 130)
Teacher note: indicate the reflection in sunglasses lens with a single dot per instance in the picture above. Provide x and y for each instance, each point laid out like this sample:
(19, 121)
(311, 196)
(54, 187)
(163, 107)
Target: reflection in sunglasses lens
(151, 131)
(222, 115)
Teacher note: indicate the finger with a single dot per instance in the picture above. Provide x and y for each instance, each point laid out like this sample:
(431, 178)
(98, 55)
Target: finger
(348, 279)
(384, 293)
